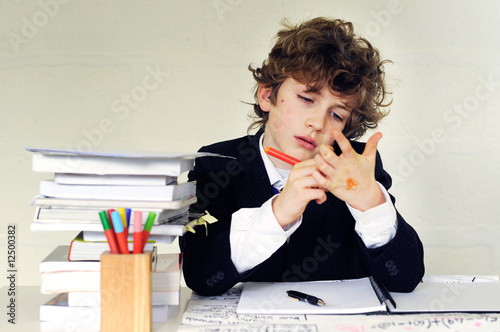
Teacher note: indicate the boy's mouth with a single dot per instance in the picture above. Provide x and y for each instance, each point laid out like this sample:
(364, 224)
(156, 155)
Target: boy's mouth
(306, 142)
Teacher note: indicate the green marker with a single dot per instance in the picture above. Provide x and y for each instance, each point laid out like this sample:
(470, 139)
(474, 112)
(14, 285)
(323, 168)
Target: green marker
(109, 232)
(147, 227)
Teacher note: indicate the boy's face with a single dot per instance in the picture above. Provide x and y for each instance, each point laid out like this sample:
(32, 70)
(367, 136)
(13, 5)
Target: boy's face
(300, 121)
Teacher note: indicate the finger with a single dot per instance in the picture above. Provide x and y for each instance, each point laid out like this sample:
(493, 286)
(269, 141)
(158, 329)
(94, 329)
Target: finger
(326, 154)
(306, 163)
(343, 142)
(304, 171)
(371, 145)
(324, 181)
(305, 183)
(322, 199)
(327, 165)
(302, 197)
(299, 180)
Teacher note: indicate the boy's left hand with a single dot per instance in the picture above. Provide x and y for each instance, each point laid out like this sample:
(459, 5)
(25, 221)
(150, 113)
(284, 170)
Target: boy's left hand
(350, 176)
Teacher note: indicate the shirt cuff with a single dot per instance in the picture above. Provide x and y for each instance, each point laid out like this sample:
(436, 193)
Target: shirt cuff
(256, 234)
(378, 225)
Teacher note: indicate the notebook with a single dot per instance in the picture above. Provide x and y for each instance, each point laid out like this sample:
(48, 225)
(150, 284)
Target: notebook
(357, 296)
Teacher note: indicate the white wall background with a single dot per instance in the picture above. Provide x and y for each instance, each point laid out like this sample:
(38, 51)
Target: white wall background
(67, 67)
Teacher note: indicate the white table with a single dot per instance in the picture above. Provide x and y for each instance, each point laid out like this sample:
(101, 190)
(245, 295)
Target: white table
(29, 299)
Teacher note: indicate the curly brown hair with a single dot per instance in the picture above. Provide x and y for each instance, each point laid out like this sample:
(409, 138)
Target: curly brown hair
(325, 51)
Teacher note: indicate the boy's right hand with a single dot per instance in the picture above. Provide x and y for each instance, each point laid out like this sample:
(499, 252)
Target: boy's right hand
(300, 189)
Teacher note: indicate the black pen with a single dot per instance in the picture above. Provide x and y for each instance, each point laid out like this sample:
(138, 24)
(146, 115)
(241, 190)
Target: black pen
(305, 297)
(382, 293)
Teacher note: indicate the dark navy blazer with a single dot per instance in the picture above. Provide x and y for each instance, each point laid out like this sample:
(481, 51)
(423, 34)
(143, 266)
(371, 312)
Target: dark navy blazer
(324, 247)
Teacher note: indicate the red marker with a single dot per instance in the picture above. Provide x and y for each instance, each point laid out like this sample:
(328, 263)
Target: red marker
(138, 232)
(110, 234)
(108, 212)
(147, 228)
(281, 156)
(121, 236)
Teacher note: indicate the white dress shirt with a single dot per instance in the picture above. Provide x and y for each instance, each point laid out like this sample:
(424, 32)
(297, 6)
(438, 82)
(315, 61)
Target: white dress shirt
(256, 234)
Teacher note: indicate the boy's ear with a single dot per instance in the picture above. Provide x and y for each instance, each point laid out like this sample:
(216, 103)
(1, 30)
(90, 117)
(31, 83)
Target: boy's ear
(264, 95)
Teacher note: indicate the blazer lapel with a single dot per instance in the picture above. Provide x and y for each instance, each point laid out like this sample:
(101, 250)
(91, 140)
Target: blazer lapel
(255, 183)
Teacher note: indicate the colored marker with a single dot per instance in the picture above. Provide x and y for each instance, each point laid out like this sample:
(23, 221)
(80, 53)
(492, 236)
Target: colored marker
(123, 216)
(138, 232)
(147, 228)
(108, 212)
(127, 213)
(121, 236)
(110, 234)
(281, 156)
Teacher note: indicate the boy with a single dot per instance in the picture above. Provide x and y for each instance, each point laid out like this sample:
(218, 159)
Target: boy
(330, 215)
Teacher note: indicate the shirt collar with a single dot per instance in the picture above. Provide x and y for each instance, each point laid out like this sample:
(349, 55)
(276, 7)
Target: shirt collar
(277, 178)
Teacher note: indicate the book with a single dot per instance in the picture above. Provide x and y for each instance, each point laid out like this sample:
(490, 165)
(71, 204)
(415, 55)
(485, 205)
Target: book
(65, 277)
(341, 297)
(81, 250)
(358, 296)
(68, 215)
(57, 260)
(65, 215)
(57, 214)
(90, 281)
(170, 192)
(89, 299)
(105, 204)
(59, 311)
(165, 232)
(174, 228)
(157, 238)
(77, 162)
(114, 179)
(163, 229)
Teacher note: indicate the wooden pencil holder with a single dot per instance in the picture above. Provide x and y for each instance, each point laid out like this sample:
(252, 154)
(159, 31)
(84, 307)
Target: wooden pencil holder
(126, 292)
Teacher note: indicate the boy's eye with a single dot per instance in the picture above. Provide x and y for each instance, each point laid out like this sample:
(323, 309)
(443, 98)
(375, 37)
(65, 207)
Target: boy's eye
(337, 117)
(305, 99)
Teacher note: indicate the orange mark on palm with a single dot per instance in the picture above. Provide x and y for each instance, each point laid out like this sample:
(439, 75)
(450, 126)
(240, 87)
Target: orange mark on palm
(351, 184)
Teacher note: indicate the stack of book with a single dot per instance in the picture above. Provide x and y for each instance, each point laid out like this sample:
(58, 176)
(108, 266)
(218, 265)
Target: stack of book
(85, 184)
(76, 288)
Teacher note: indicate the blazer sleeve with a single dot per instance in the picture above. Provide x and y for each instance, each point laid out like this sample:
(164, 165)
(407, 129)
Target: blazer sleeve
(399, 264)
(207, 265)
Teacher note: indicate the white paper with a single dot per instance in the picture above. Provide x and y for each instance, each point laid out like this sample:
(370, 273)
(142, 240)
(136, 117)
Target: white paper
(450, 297)
(218, 313)
(149, 155)
(341, 297)
(221, 310)
(434, 278)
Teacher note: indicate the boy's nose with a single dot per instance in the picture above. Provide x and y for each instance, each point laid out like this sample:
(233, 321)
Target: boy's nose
(316, 120)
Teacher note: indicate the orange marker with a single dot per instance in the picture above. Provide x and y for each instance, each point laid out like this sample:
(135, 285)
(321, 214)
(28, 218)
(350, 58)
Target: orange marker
(281, 156)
